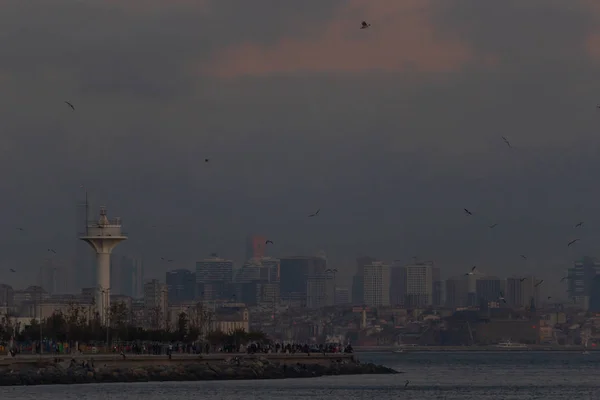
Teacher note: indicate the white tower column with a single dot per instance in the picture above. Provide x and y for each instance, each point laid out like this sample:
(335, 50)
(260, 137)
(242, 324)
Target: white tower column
(103, 236)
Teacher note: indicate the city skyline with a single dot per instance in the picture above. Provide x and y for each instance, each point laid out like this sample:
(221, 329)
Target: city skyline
(390, 131)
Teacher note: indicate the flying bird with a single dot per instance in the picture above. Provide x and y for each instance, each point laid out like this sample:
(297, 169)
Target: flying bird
(565, 277)
(523, 257)
(472, 271)
(12, 270)
(580, 224)
(502, 297)
(468, 212)
(52, 251)
(522, 279)
(539, 283)
(406, 384)
(206, 160)
(70, 105)
(507, 142)
(572, 242)
(269, 241)
(493, 226)
(549, 297)
(315, 214)
(364, 25)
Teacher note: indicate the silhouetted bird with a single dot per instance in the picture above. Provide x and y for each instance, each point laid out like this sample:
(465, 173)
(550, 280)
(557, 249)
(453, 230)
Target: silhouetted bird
(493, 226)
(501, 298)
(580, 224)
(70, 105)
(406, 384)
(549, 297)
(21, 229)
(269, 241)
(472, 270)
(571, 242)
(522, 279)
(52, 251)
(507, 142)
(12, 270)
(315, 214)
(206, 160)
(364, 25)
(523, 257)
(539, 283)
(565, 277)
(468, 212)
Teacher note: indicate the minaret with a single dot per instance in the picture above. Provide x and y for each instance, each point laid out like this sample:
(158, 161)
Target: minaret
(103, 236)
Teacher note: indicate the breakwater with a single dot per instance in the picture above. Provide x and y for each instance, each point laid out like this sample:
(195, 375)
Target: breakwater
(45, 371)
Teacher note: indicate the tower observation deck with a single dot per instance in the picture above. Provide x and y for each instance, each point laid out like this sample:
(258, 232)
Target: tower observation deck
(103, 236)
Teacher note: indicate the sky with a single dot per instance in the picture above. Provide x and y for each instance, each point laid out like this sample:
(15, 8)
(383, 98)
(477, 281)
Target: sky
(390, 131)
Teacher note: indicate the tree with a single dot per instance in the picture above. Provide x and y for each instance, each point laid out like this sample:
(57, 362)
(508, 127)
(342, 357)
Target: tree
(182, 325)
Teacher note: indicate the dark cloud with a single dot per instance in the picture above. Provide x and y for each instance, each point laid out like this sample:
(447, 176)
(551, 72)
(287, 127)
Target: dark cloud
(390, 158)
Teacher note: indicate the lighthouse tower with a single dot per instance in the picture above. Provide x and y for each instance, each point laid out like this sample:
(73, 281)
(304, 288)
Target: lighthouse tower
(103, 236)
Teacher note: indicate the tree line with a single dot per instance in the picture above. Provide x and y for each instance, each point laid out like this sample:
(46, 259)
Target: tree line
(76, 325)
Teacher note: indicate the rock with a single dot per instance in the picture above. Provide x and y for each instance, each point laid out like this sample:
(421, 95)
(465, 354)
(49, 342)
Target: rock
(242, 368)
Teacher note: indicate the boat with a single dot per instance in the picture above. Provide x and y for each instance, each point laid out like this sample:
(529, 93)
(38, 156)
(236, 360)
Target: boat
(510, 345)
(398, 351)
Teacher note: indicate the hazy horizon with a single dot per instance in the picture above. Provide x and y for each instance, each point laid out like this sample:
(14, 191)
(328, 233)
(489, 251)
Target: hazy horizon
(391, 131)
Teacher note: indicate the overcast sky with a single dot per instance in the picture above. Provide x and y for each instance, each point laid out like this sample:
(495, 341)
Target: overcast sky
(391, 131)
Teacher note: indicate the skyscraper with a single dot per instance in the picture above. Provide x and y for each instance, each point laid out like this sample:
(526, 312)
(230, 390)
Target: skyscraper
(295, 272)
(419, 285)
(255, 246)
(581, 275)
(358, 279)
(376, 284)
(213, 277)
(181, 284)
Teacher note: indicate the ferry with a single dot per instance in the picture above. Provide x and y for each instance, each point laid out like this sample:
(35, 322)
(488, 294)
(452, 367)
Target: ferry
(509, 345)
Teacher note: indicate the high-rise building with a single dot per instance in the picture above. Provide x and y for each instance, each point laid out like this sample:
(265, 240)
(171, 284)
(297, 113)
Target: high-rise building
(295, 273)
(156, 304)
(419, 285)
(213, 277)
(255, 277)
(580, 279)
(594, 303)
(358, 279)
(397, 284)
(457, 289)
(320, 291)
(376, 288)
(125, 277)
(181, 284)
(520, 290)
(255, 246)
(488, 289)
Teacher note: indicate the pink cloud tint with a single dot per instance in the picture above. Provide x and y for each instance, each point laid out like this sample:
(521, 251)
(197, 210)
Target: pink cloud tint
(156, 5)
(402, 36)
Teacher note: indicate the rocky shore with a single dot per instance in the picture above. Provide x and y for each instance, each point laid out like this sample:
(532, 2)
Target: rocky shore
(72, 372)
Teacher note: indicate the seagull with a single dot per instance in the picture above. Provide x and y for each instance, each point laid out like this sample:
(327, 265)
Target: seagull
(406, 384)
(269, 241)
(52, 251)
(502, 297)
(571, 242)
(206, 160)
(522, 279)
(70, 105)
(21, 229)
(315, 214)
(565, 277)
(539, 283)
(493, 226)
(12, 270)
(472, 270)
(468, 212)
(549, 297)
(523, 257)
(507, 142)
(580, 224)
(364, 25)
